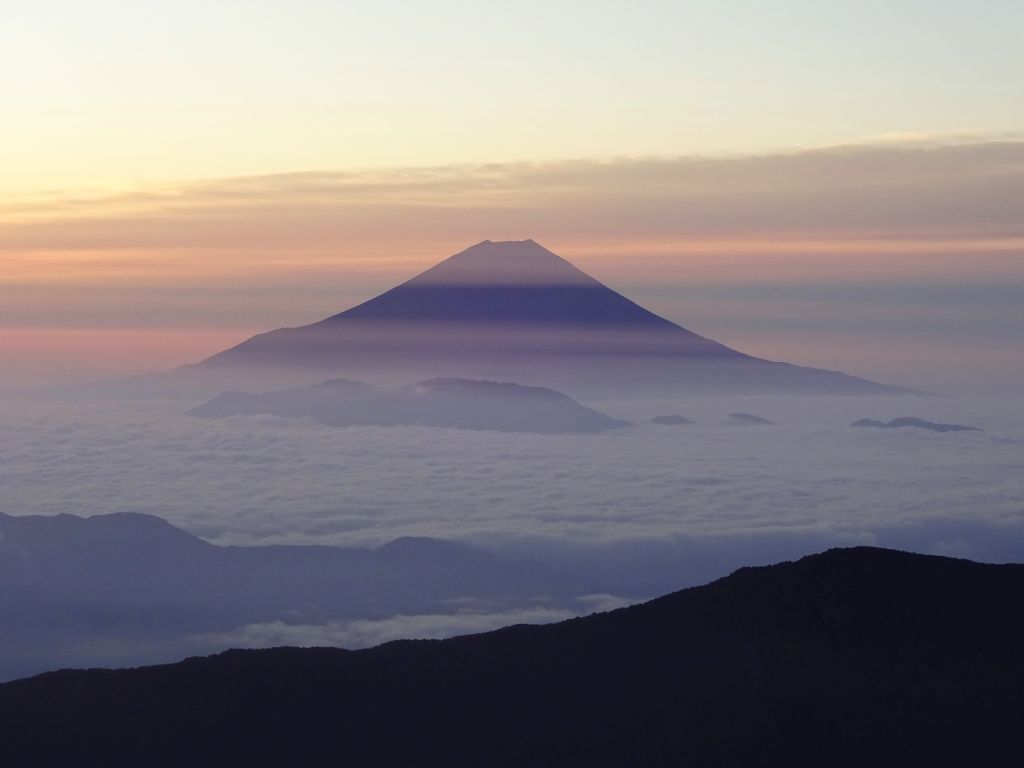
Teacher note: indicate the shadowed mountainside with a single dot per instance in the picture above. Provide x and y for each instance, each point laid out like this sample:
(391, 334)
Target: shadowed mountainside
(852, 657)
(457, 403)
(505, 311)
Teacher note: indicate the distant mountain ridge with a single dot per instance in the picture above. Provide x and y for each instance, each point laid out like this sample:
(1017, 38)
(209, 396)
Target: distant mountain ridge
(511, 311)
(443, 402)
(748, 419)
(848, 658)
(910, 421)
(128, 588)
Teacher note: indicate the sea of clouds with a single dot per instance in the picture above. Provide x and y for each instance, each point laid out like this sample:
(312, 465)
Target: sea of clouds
(641, 510)
(366, 633)
(631, 513)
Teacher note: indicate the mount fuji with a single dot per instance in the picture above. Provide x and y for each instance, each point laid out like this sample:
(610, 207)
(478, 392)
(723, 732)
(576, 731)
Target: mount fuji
(514, 311)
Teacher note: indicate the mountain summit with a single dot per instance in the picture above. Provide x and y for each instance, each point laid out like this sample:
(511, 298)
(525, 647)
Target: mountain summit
(493, 288)
(508, 283)
(510, 262)
(515, 311)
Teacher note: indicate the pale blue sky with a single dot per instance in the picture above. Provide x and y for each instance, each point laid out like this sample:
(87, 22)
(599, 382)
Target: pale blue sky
(118, 92)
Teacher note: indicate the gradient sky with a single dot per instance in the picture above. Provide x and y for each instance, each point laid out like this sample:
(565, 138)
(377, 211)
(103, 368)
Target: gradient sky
(837, 184)
(114, 92)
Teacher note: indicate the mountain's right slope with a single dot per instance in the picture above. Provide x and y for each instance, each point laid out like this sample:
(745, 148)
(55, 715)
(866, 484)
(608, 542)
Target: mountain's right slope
(516, 312)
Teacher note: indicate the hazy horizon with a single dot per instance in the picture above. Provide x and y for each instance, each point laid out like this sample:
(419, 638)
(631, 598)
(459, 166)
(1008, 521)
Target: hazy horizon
(865, 318)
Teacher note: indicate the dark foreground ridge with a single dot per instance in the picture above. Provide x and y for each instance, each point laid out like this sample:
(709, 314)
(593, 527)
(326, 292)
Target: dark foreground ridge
(852, 657)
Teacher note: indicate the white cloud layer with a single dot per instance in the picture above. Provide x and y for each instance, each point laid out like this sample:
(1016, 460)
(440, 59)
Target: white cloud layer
(250, 480)
(635, 512)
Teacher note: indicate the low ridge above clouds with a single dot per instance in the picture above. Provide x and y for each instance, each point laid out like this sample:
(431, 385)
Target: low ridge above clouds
(910, 421)
(444, 402)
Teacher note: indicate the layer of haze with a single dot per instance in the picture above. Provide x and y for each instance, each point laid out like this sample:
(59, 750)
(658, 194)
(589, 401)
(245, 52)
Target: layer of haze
(901, 261)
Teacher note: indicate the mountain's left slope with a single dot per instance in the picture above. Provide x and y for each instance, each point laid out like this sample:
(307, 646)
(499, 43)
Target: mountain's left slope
(508, 311)
(849, 658)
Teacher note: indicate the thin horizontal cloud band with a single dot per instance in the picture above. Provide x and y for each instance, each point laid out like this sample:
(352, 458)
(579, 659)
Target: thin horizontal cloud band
(896, 190)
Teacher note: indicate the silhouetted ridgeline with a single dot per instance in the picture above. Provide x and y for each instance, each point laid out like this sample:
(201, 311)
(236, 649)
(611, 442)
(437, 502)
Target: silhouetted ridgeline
(852, 657)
